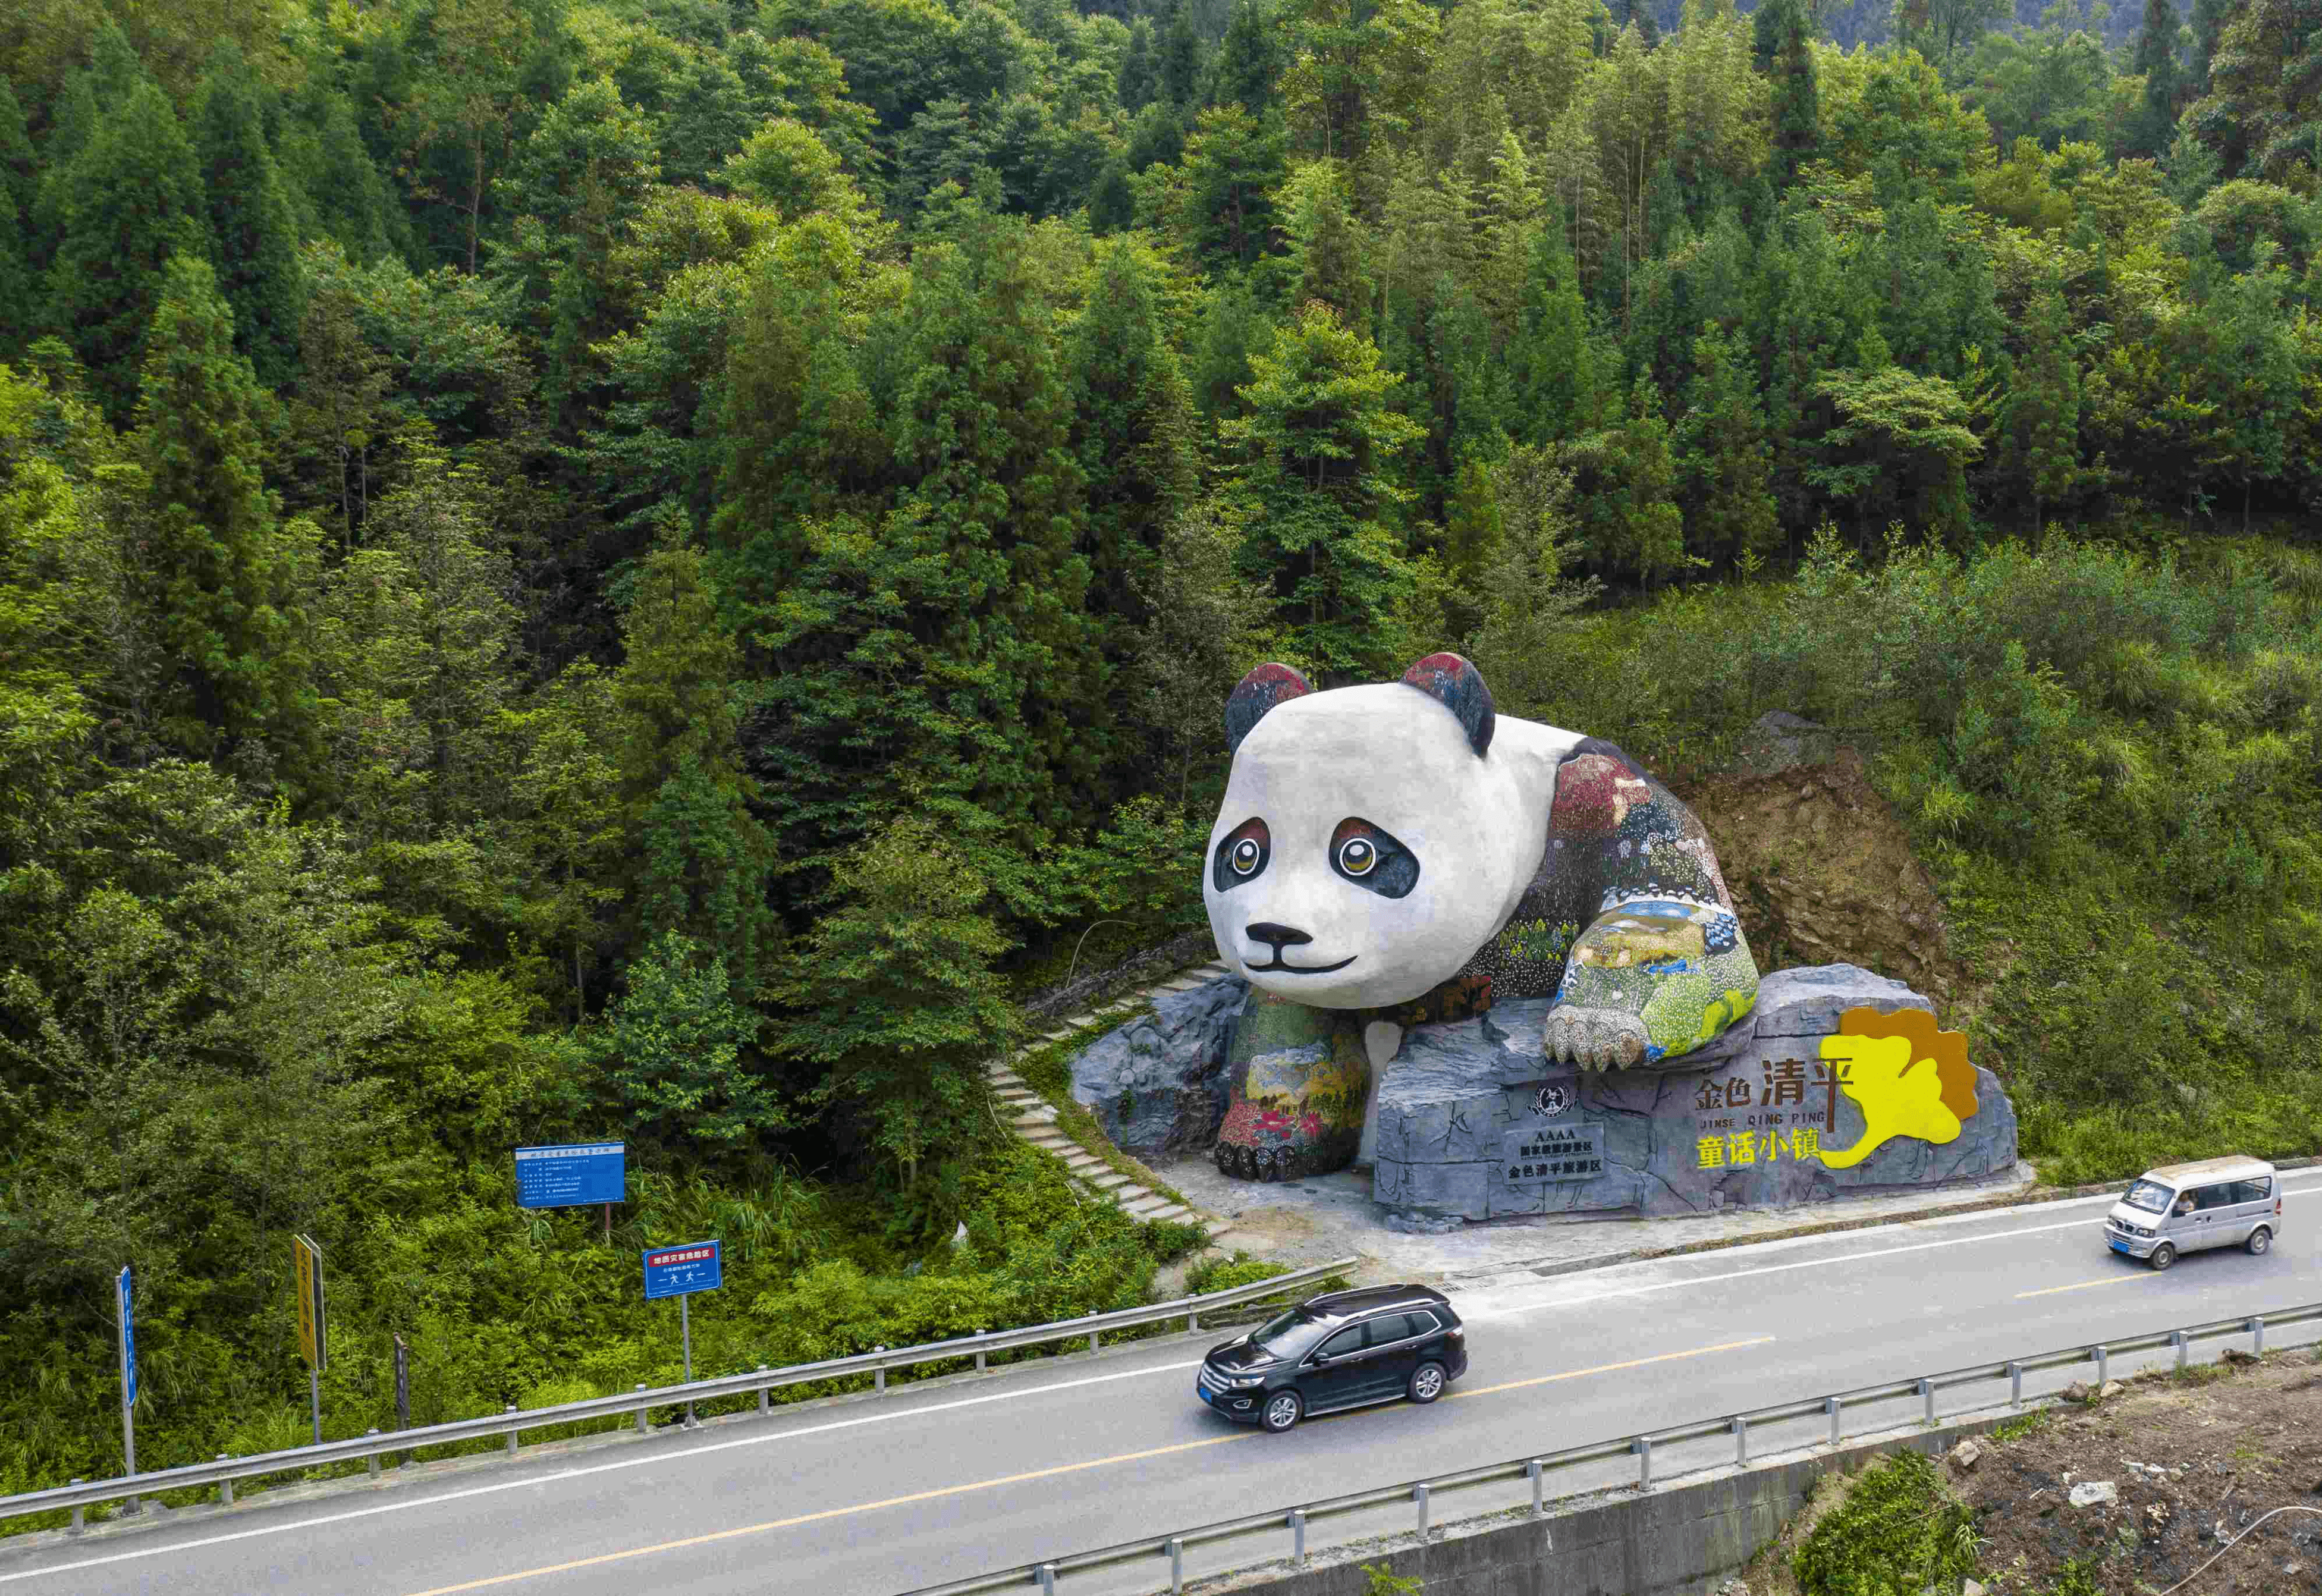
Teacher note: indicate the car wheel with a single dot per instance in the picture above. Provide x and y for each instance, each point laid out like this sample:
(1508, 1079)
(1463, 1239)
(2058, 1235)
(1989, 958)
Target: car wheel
(2164, 1256)
(2260, 1239)
(1282, 1410)
(1427, 1383)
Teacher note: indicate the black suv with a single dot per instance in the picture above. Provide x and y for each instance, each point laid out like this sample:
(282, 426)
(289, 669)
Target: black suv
(1346, 1349)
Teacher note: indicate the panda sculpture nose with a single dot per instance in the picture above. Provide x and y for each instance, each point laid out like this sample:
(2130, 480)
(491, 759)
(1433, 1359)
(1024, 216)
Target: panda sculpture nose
(1281, 937)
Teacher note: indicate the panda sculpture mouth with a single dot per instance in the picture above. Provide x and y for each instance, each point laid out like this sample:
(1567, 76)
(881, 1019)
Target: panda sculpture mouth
(1298, 968)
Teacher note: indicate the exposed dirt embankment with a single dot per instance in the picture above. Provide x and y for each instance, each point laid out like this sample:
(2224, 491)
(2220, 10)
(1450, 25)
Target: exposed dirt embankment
(2207, 1483)
(1823, 872)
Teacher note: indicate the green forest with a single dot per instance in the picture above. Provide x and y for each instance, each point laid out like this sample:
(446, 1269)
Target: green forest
(654, 568)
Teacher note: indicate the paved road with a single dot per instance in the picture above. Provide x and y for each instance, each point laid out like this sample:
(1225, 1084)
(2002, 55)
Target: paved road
(867, 1498)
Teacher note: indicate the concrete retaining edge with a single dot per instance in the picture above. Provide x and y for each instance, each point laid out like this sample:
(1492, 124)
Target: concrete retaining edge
(1682, 1538)
(2031, 1197)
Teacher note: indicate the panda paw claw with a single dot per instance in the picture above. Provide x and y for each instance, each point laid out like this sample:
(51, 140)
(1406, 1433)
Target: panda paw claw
(1594, 1038)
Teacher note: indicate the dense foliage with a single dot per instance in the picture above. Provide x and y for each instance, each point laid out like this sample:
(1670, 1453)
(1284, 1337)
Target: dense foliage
(591, 567)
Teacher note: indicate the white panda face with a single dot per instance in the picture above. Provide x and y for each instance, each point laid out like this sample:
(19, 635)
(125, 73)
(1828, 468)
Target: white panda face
(1364, 849)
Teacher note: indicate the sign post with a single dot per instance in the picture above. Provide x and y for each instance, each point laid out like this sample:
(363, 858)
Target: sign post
(402, 1384)
(678, 1272)
(314, 1340)
(574, 1175)
(128, 1329)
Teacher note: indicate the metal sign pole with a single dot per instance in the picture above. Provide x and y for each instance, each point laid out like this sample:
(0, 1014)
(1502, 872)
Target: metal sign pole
(314, 1334)
(685, 1328)
(402, 1384)
(128, 1338)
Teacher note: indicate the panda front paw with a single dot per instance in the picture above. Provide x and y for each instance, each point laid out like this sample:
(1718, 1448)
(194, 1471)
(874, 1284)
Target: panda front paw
(1594, 1038)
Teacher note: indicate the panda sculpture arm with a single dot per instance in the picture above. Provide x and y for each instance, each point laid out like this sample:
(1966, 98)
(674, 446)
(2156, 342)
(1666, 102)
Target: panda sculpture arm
(1660, 965)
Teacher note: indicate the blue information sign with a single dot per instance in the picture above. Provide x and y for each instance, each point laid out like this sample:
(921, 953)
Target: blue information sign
(570, 1176)
(128, 1344)
(677, 1272)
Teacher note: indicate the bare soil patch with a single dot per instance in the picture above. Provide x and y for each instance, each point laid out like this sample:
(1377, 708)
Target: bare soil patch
(2196, 1460)
(1822, 871)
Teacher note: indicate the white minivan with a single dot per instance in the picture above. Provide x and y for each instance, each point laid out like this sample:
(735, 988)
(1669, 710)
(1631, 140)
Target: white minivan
(2183, 1207)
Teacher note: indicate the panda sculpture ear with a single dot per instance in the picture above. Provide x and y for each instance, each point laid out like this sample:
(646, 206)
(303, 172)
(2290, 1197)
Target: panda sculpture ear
(1257, 693)
(1456, 685)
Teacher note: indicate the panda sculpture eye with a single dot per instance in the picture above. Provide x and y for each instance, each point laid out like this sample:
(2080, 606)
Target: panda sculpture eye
(1372, 859)
(1241, 855)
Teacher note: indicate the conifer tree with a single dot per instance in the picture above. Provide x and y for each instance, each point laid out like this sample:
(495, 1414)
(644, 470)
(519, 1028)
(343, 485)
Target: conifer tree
(1233, 324)
(1629, 519)
(2041, 423)
(903, 514)
(131, 201)
(1139, 79)
(232, 581)
(252, 225)
(681, 1050)
(1724, 457)
(898, 1005)
(72, 119)
(1550, 361)
(1180, 58)
(337, 185)
(1248, 60)
(707, 857)
(2209, 21)
(1798, 94)
(1315, 460)
(1133, 433)
(18, 191)
(1326, 254)
(2156, 58)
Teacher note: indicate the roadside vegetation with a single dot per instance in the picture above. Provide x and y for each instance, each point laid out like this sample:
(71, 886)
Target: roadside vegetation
(658, 569)
(2208, 1483)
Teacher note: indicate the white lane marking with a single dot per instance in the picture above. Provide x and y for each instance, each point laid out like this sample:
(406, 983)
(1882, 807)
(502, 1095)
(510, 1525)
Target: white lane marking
(576, 1473)
(1711, 1280)
(632, 1463)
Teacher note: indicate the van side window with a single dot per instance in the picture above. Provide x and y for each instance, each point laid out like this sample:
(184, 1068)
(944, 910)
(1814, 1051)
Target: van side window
(1346, 1341)
(2215, 1197)
(2257, 1191)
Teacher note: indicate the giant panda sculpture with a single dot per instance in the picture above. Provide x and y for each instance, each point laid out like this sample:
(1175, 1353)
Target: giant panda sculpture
(1396, 853)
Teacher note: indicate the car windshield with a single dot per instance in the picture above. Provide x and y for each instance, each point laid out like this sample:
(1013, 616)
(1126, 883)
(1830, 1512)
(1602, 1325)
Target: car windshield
(1292, 1335)
(2149, 1195)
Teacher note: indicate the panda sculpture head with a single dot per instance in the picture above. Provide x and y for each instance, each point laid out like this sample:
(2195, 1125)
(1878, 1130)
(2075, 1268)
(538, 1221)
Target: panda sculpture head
(1369, 842)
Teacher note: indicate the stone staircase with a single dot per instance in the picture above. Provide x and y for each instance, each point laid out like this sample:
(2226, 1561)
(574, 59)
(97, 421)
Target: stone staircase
(1030, 1116)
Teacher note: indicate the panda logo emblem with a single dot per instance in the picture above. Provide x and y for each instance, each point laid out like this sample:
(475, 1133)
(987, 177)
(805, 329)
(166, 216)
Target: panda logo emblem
(1551, 1100)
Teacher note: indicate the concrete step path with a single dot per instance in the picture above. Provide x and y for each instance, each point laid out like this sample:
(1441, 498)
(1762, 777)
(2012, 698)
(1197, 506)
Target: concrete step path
(1034, 1119)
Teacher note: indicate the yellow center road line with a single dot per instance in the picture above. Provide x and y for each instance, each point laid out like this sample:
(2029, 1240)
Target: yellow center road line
(1069, 1468)
(1666, 1357)
(2110, 1279)
(868, 1506)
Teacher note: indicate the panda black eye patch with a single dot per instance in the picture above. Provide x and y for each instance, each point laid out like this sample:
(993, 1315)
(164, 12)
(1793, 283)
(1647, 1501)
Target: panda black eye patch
(1241, 855)
(1370, 857)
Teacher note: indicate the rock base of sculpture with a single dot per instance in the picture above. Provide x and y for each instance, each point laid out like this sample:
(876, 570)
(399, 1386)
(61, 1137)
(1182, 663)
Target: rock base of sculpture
(1474, 1122)
(1157, 1084)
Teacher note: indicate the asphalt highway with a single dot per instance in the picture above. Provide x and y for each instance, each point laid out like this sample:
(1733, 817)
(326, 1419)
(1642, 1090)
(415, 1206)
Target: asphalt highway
(871, 1497)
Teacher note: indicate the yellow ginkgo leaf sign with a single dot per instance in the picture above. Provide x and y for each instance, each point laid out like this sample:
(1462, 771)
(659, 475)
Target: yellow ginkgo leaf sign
(1910, 1079)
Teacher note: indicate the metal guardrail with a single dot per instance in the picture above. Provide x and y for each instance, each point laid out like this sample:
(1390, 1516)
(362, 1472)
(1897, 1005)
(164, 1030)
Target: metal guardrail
(1422, 1493)
(374, 1445)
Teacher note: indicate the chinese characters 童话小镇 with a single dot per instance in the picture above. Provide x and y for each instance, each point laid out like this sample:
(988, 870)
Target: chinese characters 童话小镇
(1757, 1147)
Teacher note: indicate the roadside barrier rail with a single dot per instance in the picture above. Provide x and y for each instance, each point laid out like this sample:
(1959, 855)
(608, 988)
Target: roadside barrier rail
(763, 1380)
(1423, 1494)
